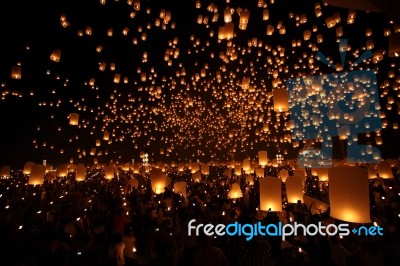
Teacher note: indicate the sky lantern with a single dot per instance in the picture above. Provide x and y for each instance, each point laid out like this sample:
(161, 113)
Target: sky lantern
(294, 189)
(238, 170)
(227, 15)
(106, 135)
(16, 72)
(385, 170)
(246, 166)
(263, 158)
(38, 172)
(134, 183)
(300, 173)
(271, 194)
(27, 168)
(322, 173)
(158, 180)
(205, 169)
(74, 119)
(55, 55)
(5, 171)
(281, 101)
(80, 173)
(62, 170)
(250, 179)
(196, 176)
(283, 175)
(349, 194)
(260, 172)
(109, 172)
(180, 188)
(235, 192)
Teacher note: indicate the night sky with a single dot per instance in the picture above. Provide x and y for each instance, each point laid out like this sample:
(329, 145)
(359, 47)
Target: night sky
(190, 116)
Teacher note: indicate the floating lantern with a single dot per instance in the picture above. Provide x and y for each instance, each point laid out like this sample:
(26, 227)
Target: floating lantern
(196, 176)
(55, 55)
(385, 170)
(37, 174)
(238, 170)
(80, 173)
(281, 101)
(5, 171)
(16, 72)
(322, 173)
(260, 172)
(74, 119)
(246, 166)
(109, 172)
(158, 180)
(270, 194)
(205, 169)
(349, 194)
(294, 189)
(283, 175)
(27, 168)
(235, 192)
(180, 188)
(263, 158)
(62, 170)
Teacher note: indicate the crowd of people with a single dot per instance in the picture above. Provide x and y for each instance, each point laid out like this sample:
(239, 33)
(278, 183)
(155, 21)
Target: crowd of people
(112, 222)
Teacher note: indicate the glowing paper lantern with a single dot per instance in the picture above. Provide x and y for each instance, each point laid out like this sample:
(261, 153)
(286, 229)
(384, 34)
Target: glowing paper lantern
(158, 180)
(283, 174)
(196, 176)
(262, 158)
(322, 173)
(250, 180)
(246, 166)
(55, 55)
(294, 189)
(205, 169)
(180, 188)
(260, 172)
(385, 170)
(27, 168)
(281, 101)
(16, 72)
(5, 171)
(235, 192)
(109, 172)
(372, 172)
(238, 170)
(80, 173)
(62, 170)
(349, 194)
(38, 172)
(271, 194)
(74, 119)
